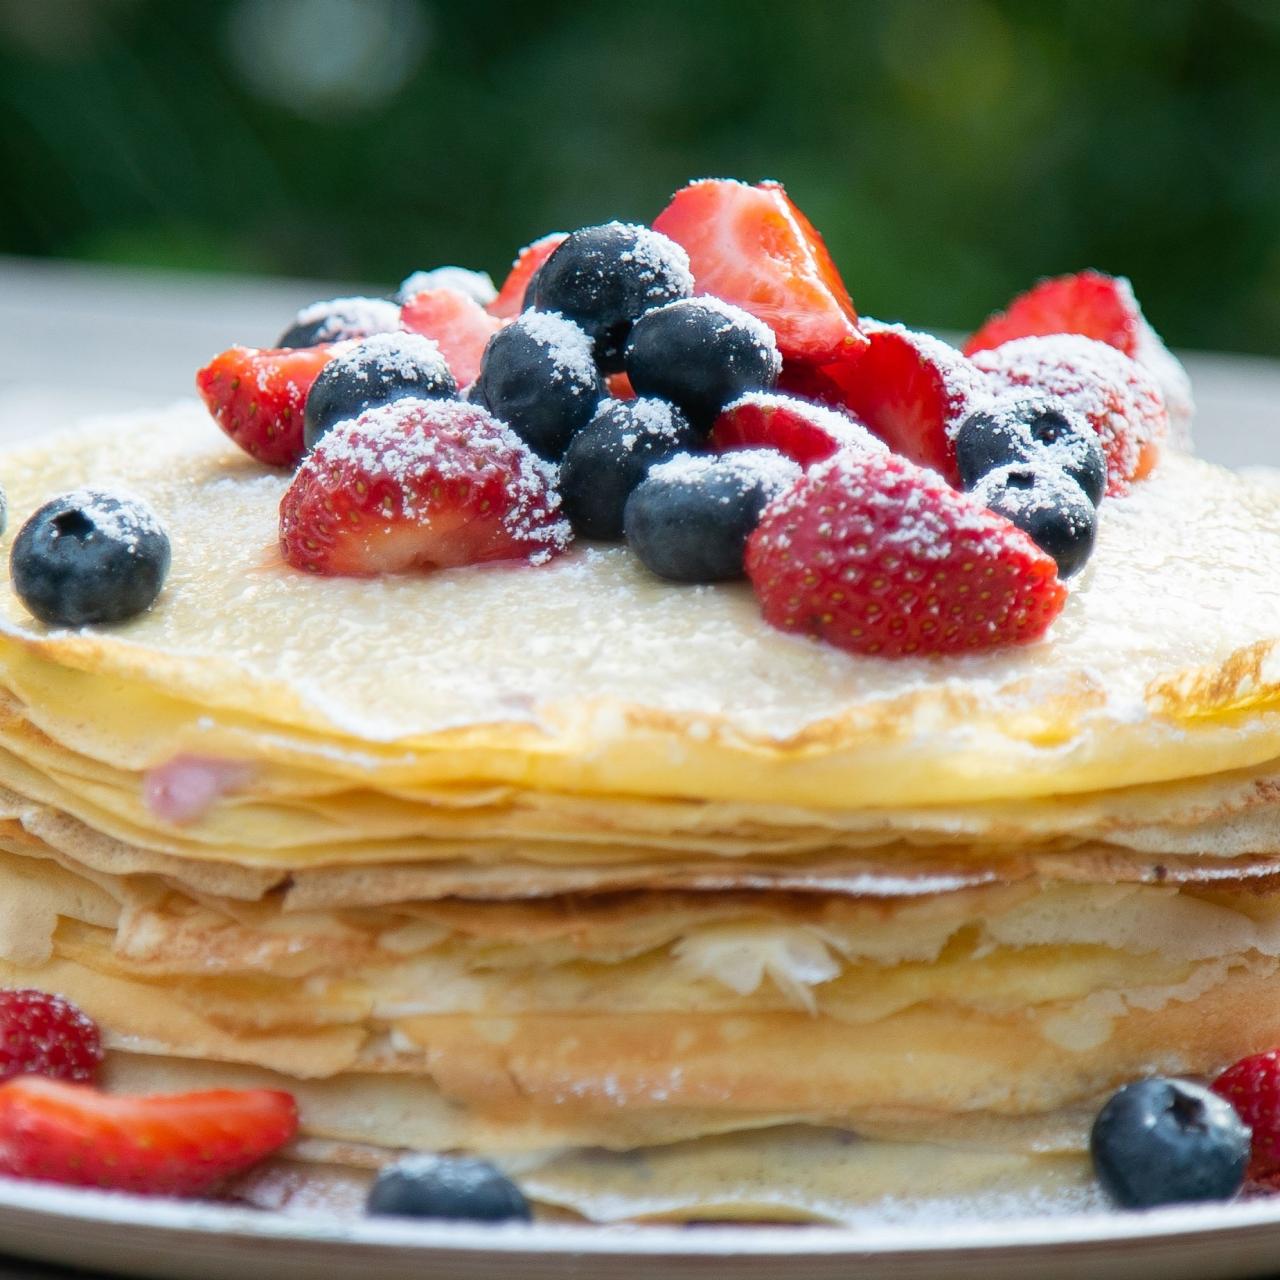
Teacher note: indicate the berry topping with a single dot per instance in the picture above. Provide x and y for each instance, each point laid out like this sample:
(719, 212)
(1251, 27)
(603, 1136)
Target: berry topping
(388, 366)
(805, 432)
(540, 377)
(1048, 506)
(257, 397)
(89, 557)
(1252, 1086)
(689, 521)
(611, 455)
(456, 1188)
(879, 556)
(337, 319)
(510, 301)
(176, 1145)
(751, 246)
(45, 1035)
(1165, 1141)
(1113, 394)
(476, 285)
(417, 485)
(701, 353)
(456, 323)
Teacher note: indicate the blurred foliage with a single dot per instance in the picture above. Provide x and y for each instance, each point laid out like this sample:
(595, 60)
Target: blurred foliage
(950, 150)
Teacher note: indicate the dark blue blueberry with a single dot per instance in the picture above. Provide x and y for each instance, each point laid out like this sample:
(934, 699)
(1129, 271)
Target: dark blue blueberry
(387, 366)
(1027, 430)
(690, 519)
(477, 285)
(338, 319)
(1048, 506)
(604, 277)
(701, 353)
(456, 1188)
(1168, 1142)
(611, 455)
(89, 557)
(539, 376)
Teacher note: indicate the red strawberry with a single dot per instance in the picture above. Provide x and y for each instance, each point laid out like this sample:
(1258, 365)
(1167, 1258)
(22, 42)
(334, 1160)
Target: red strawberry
(1252, 1086)
(510, 300)
(751, 246)
(177, 1145)
(619, 386)
(878, 556)
(805, 432)
(457, 324)
(45, 1035)
(1120, 400)
(415, 485)
(257, 398)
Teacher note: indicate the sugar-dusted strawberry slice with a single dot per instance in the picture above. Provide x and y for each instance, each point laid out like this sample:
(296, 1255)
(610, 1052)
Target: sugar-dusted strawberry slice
(45, 1035)
(751, 246)
(176, 1145)
(419, 485)
(805, 432)
(457, 324)
(510, 300)
(257, 398)
(878, 556)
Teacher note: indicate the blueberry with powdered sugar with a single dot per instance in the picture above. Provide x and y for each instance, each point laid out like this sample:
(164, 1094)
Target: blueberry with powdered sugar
(476, 285)
(377, 370)
(338, 319)
(89, 557)
(690, 519)
(1048, 506)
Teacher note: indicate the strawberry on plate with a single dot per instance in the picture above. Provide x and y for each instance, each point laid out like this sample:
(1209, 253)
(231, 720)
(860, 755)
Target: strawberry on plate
(803, 431)
(418, 485)
(510, 300)
(45, 1035)
(257, 397)
(1252, 1086)
(751, 246)
(457, 324)
(878, 556)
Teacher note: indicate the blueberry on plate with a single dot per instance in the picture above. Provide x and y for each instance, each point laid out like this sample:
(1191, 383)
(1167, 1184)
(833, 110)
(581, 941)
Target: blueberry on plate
(611, 455)
(701, 353)
(387, 366)
(456, 1188)
(604, 277)
(690, 518)
(89, 557)
(1164, 1141)
(539, 376)
(1048, 506)
(477, 285)
(337, 319)
(1024, 430)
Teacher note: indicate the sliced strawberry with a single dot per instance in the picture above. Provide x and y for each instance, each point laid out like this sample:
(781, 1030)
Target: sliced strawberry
(619, 386)
(805, 432)
(510, 300)
(257, 398)
(417, 485)
(1252, 1086)
(176, 1145)
(457, 324)
(751, 246)
(45, 1035)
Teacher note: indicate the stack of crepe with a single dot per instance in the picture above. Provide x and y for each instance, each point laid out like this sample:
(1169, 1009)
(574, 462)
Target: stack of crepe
(672, 914)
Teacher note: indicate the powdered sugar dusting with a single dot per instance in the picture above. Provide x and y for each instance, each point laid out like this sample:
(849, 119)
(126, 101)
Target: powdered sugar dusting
(409, 357)
(662, 264)
(842, 427)
(477, 285)
(353, 317)
(652, 416)
(568, 344)
(117, 516)
(747, 468)
(732, 317)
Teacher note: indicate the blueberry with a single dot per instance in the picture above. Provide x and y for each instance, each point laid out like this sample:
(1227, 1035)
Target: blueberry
(338, 319)
(1028, 428)
(1048, 506)
(387, 366)
(451, 1187)
(1166, 1141)
(701, 353)
(477, 285)
(611, 455)
(604, 277)
(89, 557)
(539, 376)
(690, 519)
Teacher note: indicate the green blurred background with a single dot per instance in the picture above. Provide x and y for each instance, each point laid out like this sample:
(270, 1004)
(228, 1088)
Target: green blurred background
(950, 150)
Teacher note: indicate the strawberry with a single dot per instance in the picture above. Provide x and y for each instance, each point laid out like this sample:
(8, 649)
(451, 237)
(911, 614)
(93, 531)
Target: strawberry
(878, 556)
(751, 246)
(457, 324)
(805, 432)
(1252, 1086)
(177, 1145)
(257, 398)
(510, 300)
(1117, 397)
(619, 387)
(415, 485)
(45, 1035)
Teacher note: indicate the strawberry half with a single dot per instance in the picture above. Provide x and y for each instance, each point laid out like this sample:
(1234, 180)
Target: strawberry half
(805, 432)
(176, 1145)
(457, 324)
(257, 398)
(418, 485)
(751, 246)
(510, 300)
(1252, 1086)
